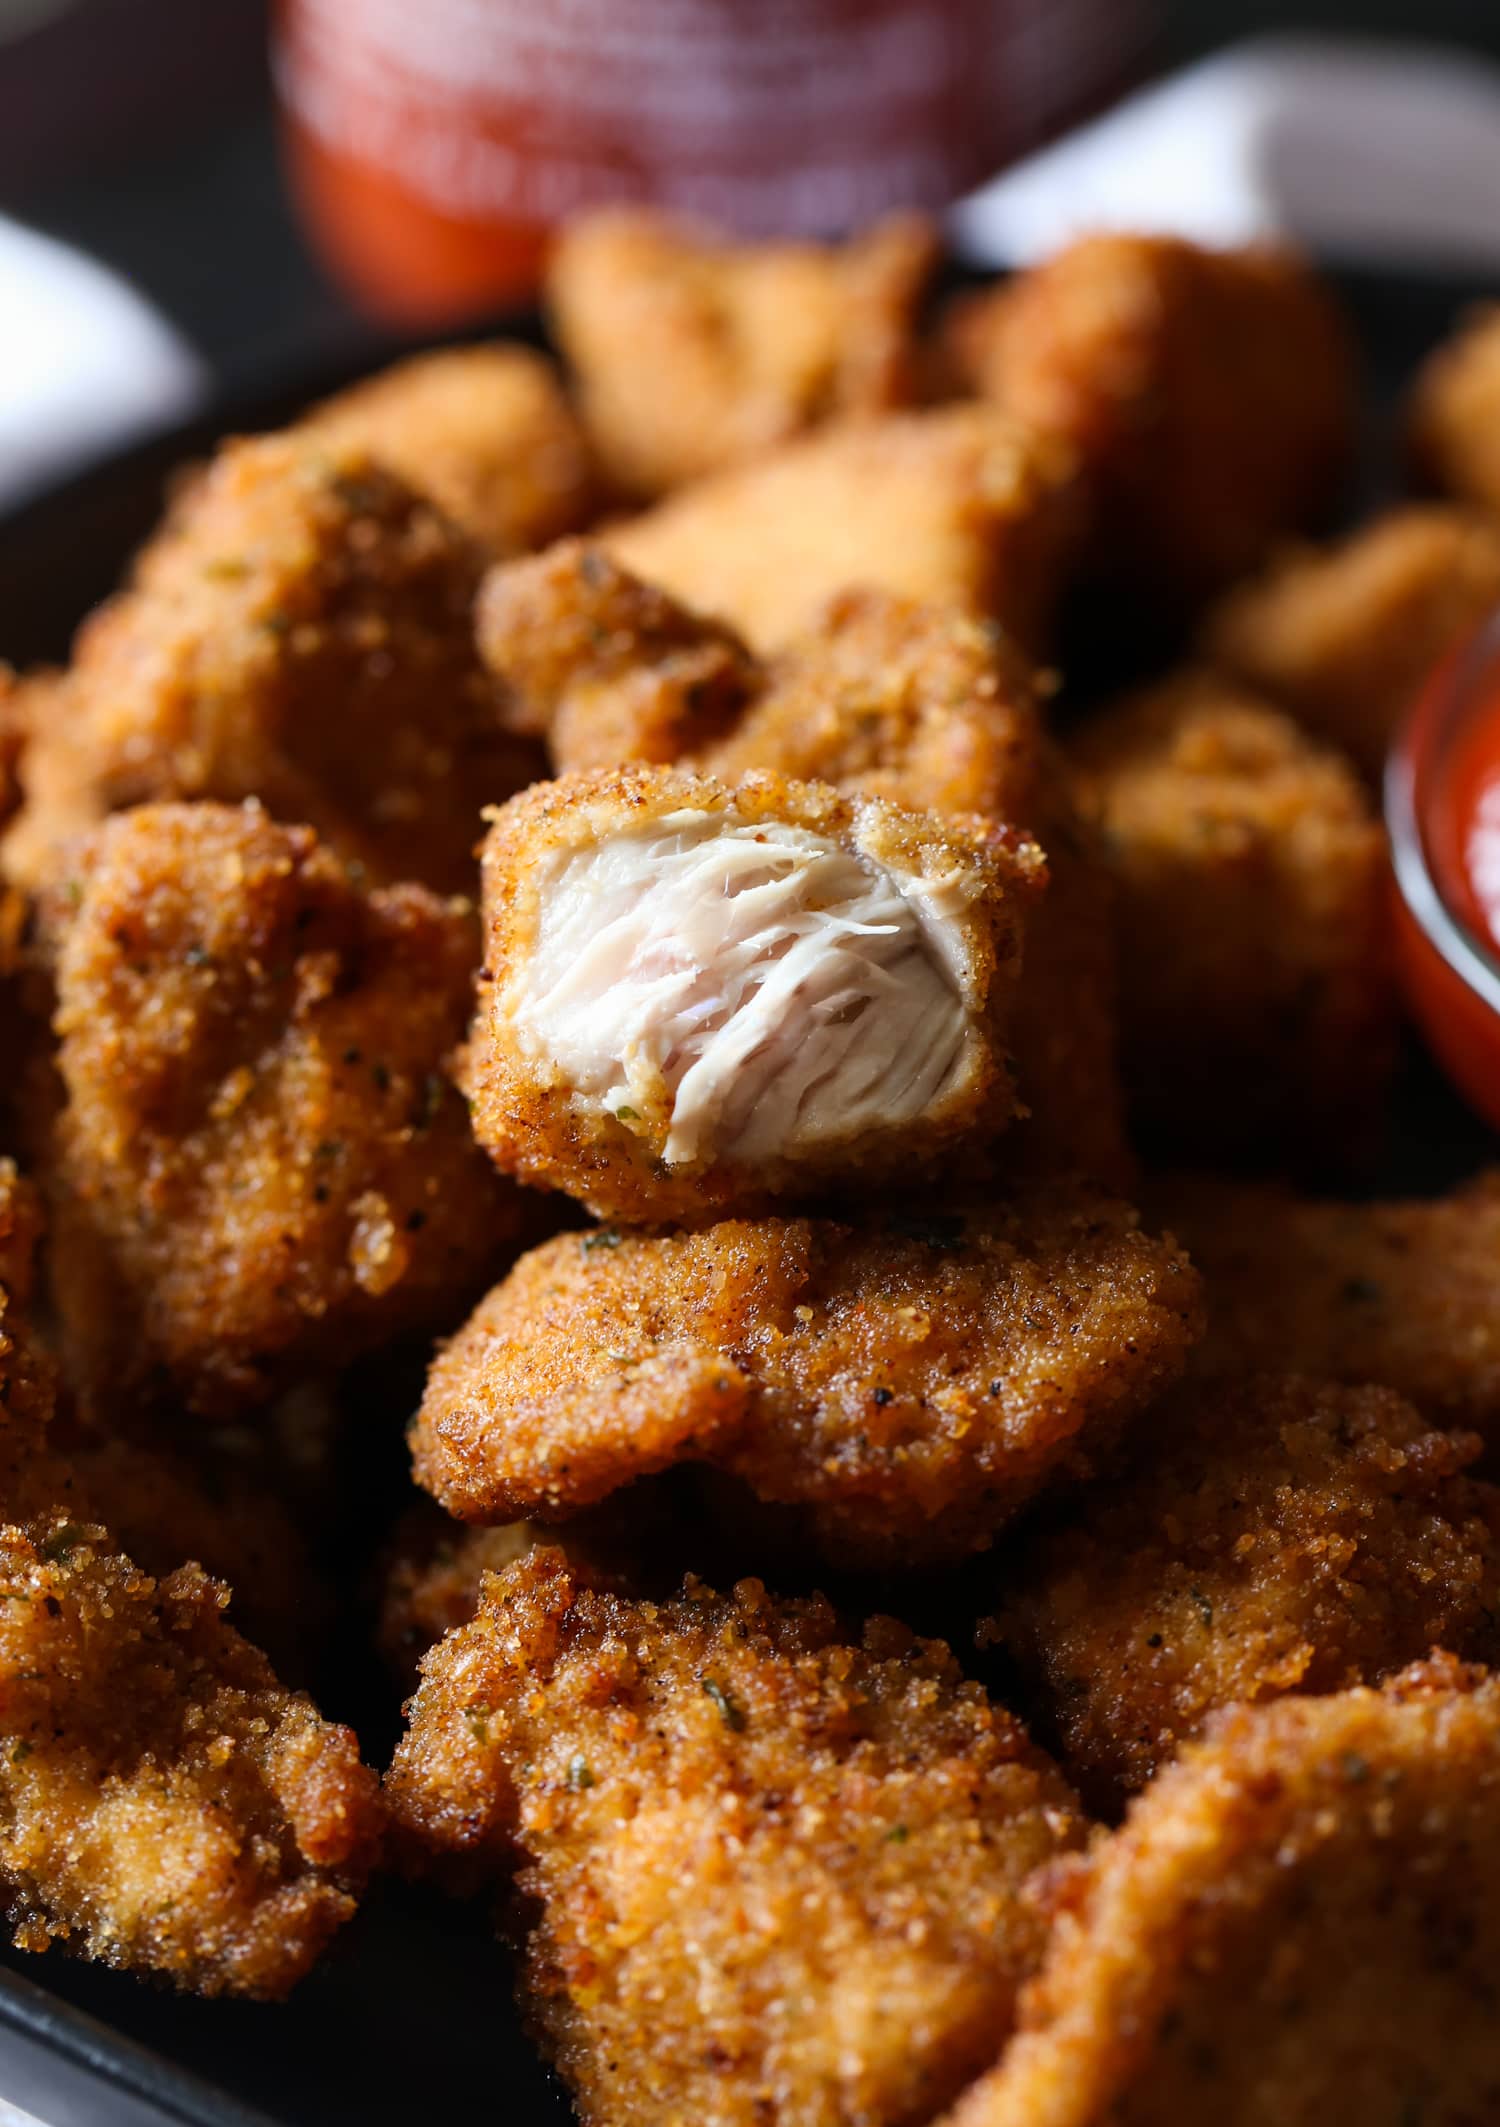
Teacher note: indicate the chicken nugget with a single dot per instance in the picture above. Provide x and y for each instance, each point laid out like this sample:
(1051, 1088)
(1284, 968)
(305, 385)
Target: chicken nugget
(959, 507)
(910, 1382)
(1343, 637)
(1207, 397)
(693, 352)
(698, 996)
(486, 432)
(299, 632)
(1455, 407)
(1406, 1293)
(1255, 988)
(774, 1874)
(258, 1168)
(884, 698)
(1272, 1535)
(1298, 1924)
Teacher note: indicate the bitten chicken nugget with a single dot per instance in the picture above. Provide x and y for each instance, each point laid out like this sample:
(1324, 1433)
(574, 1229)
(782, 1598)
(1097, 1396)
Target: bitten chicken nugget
(1299, 1923)
(1405, 1293)
(486, 432)
(165, 1805)
(1271, 1536)
(1255, 992)
(775, 1875)
(1207, 396)
(911, 1382)
(698, 996)
(258, 1167)
(885, 698)
(1455, 409)
(299, 632)
(1343, 637)
(959, 507)
(693, 352)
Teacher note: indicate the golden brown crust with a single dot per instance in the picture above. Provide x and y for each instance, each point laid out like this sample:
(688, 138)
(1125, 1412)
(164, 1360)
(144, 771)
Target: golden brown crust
(485, 431)
(1271, 1536)
(692, 352)
(958, 507)
(1405, 1293)
(1299, 1922)
(1455, 405)
(1344, 637)
(911, 1382)
(1206, 396)
(1255, 990)
(258, 1167)
(537, 1126)
(774, 1875)
(299, 632)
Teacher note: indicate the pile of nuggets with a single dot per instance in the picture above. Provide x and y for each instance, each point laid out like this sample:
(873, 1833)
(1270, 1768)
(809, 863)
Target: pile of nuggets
(874, 1126)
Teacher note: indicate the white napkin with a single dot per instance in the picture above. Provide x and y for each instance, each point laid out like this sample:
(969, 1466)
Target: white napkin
(85, 363)
(1358, 149)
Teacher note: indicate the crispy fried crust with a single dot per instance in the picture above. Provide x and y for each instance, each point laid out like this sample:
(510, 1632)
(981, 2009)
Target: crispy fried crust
(1405, 1293)
(259, 1167)
(692, 352)
(1206, 396)
(299, 632)
(1280, 1535)
(958, 507)
(1455, 411)
(1343, 637)
(486, 432)
(912, 1382)
(1299, 1923)
(1255, 994)
(774, 1875)
(524, 1107)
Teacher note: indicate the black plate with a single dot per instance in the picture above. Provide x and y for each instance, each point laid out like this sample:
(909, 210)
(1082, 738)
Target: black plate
(409, 2017)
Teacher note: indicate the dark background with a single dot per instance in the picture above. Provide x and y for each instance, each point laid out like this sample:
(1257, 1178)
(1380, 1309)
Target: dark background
(141, 129)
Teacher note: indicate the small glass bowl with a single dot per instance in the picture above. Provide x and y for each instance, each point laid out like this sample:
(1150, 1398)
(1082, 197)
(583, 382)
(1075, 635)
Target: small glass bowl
(1450, 971)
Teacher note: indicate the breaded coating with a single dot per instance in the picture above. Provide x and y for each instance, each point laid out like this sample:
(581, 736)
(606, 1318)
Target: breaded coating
(1299, 1924)
(885, 698)
(1406, 1293)
(1207, 396)
(958, 507)
(258, 1168)
(1455, 409)
(693, 352)
(1255, 992)
(775, 1875)
(13, 729)
(486, 432)
(910, 1382)
(1274, 1534)
(698, 996)
(1343, 637)
(299, 632)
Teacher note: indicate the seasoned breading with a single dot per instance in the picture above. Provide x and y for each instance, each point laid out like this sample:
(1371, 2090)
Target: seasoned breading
(1406, 1293)
(1343, 637)
(1273, 1534)
(486, 432)
(258, 1167)
(959, 507)
(1207, 397)
(1255, 993)
(299, 632)
(775, 1875)
(1455, 406)
(1298, 1924)
(698, 996)
(885, 698)
(910, 1382)
(693, 352)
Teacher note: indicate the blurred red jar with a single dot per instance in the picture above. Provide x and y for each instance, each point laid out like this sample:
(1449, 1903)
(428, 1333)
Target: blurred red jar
(433, 143)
